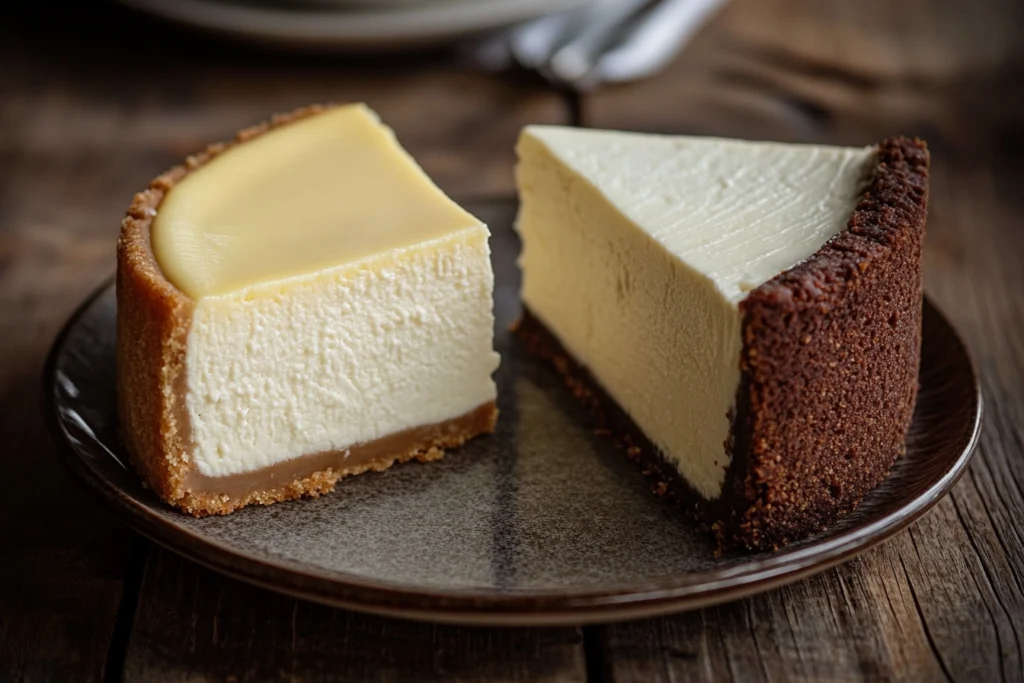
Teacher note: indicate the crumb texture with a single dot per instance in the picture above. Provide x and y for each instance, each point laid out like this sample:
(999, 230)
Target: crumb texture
(316, 474)
(157, 324)
(831, 350)
(153, 322)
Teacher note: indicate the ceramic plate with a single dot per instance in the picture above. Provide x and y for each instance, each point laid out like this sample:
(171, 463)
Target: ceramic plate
(541, 523)
(323, 27)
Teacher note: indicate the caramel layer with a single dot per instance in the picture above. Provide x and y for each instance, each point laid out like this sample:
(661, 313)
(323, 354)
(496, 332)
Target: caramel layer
(422, 443)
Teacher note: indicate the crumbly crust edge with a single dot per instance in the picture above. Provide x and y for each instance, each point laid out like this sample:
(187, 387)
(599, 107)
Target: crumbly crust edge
(153, 322)
(432, 447)
(763, 507)
(835, 340)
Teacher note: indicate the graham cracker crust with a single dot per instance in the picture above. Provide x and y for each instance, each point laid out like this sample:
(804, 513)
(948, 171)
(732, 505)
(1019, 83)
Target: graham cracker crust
(315, 474)
(153, 322)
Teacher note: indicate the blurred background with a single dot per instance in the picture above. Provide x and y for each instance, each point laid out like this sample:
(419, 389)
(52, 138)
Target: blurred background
(135, 85)
(97, 97)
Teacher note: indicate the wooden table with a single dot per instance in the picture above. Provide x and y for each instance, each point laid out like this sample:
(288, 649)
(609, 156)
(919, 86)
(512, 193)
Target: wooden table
(96, 100)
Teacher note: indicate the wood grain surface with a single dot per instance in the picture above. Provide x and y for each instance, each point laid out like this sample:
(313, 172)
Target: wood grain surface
(225, 628)
(95, 100)
(943, 600)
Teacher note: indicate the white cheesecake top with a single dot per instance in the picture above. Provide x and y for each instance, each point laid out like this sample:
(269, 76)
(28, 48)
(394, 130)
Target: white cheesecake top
(638, 249)
(325, 190)
(738, 212)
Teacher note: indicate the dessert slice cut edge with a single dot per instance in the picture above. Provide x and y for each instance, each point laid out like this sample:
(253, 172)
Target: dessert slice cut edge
(273, 388)
(827, 349)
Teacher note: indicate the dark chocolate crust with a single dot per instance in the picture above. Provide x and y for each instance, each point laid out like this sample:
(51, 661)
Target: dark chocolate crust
(829, 371)
(831, 350)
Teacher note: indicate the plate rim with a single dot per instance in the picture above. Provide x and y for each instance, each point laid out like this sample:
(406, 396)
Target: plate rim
(488, 606)
(324, 27)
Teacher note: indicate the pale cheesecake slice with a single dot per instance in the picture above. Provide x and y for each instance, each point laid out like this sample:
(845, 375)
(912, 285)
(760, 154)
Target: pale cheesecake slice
(299, 305)
(744, 317)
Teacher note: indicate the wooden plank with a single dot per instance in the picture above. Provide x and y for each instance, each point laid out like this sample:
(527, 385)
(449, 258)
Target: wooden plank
(806, 631)
(194, 625)
(102, 77)
(62, 557)
(803, 70)
(95, 101)
(918, 608)
(943, 600)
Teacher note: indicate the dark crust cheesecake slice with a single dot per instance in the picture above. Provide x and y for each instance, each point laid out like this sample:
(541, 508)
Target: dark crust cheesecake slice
(829, 370)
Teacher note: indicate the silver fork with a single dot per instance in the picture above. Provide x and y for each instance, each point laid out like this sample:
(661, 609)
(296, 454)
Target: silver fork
(607, 41)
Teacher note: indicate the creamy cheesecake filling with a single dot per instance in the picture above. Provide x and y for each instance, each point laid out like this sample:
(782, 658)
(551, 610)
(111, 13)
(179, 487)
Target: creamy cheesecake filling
(339, 296)
(341, 357)
(638, 249)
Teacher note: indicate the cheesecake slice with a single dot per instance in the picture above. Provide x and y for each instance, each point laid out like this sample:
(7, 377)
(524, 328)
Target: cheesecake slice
(296, 306)
(745, 318)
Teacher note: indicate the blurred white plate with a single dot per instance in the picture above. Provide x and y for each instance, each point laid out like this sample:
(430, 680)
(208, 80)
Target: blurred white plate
(396, 26)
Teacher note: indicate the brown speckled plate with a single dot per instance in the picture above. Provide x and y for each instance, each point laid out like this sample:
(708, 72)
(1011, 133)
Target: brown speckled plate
(541, 523)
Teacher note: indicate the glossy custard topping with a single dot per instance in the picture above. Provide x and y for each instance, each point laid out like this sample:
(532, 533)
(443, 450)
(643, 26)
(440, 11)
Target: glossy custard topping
(322, 191)
(638, 249)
